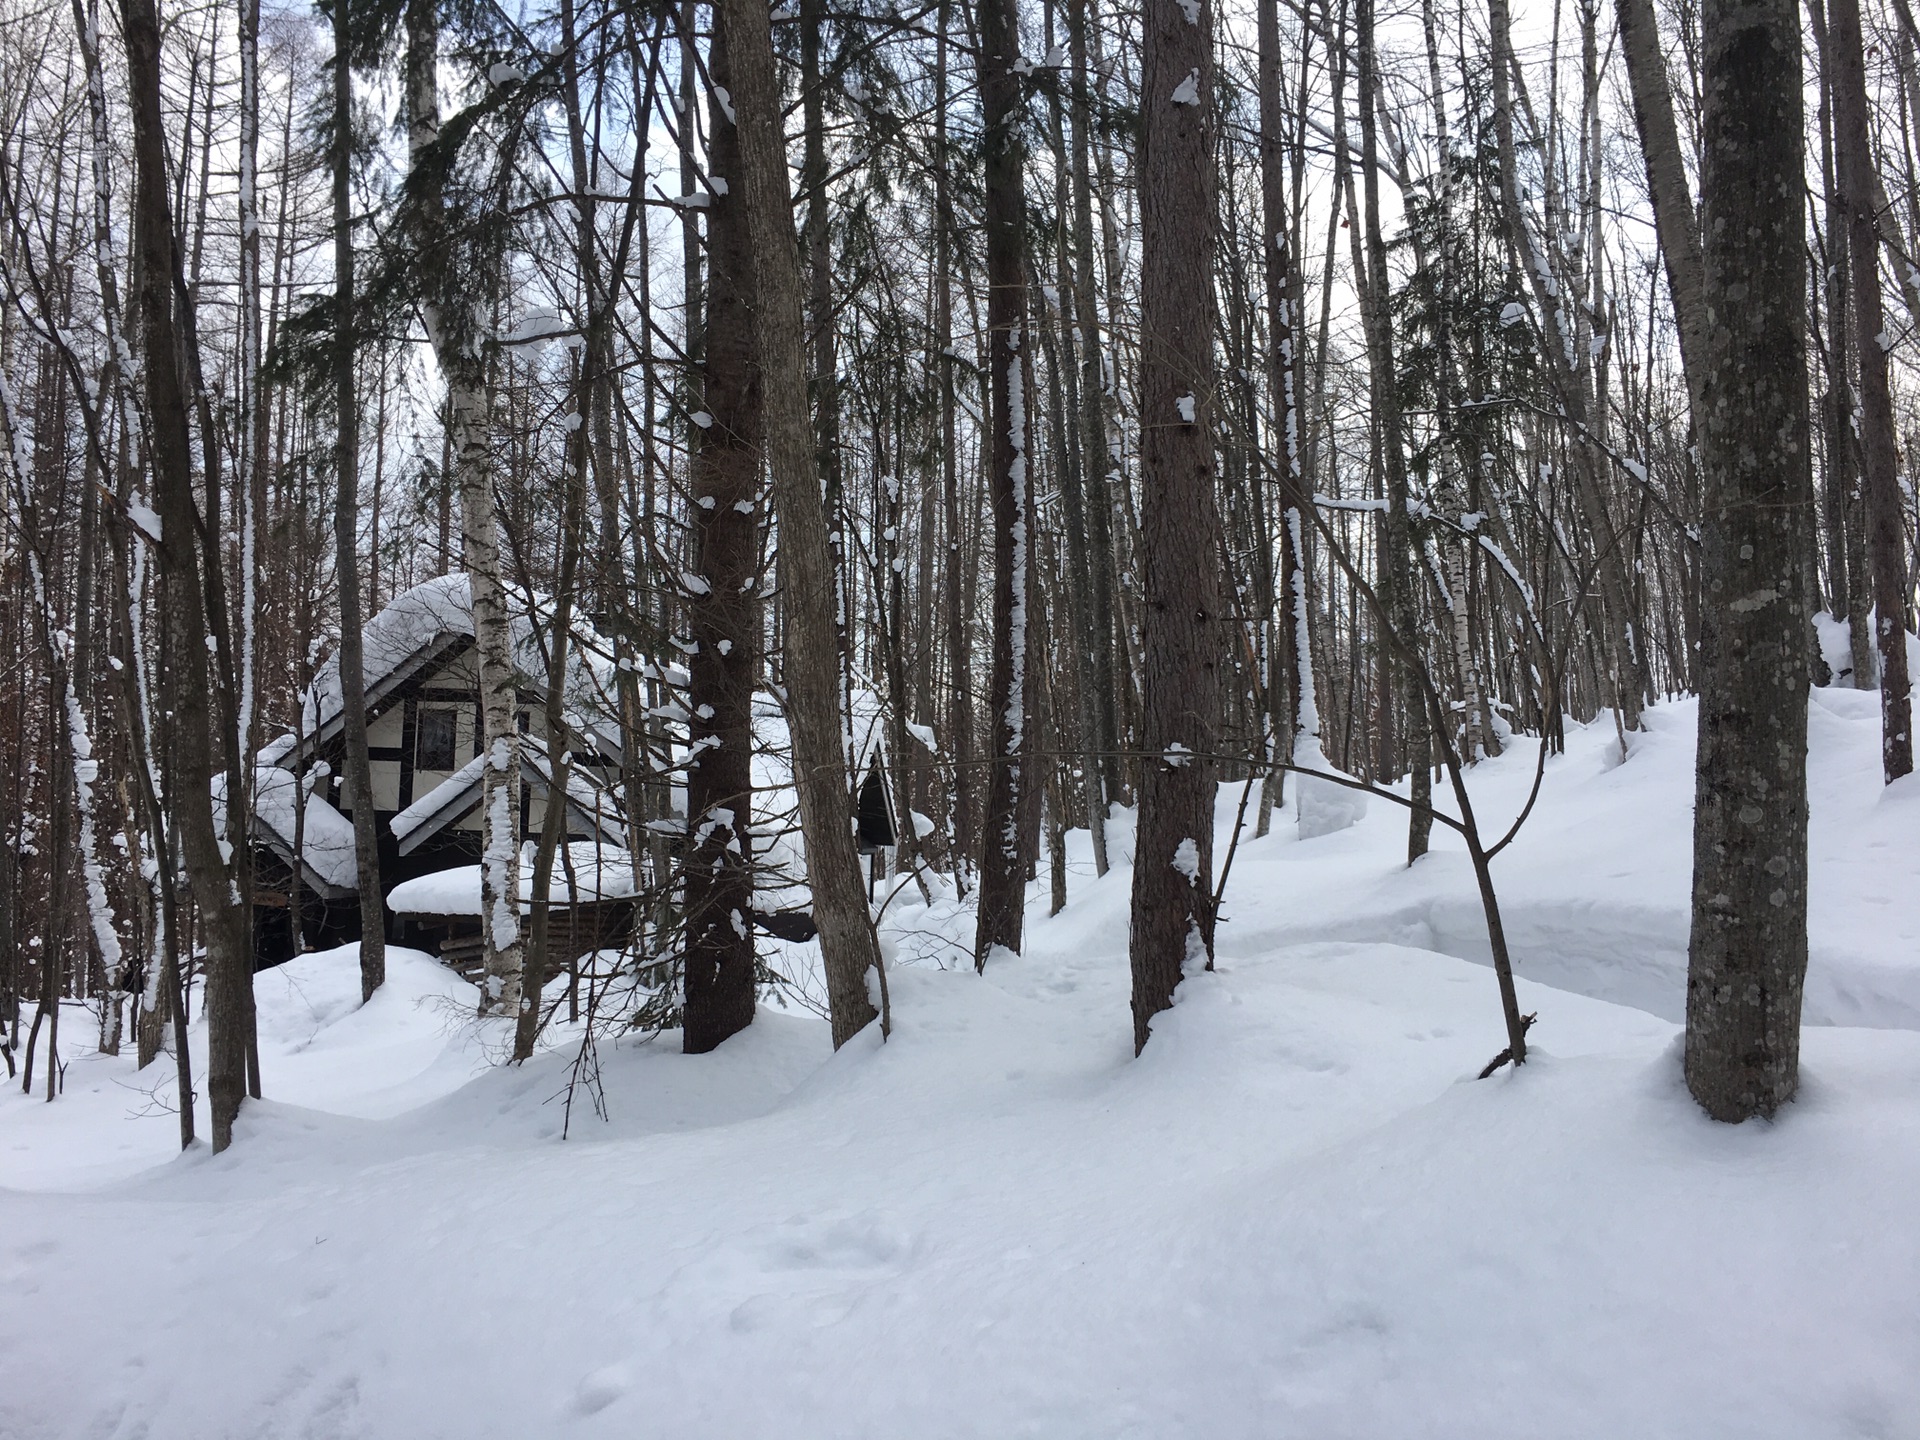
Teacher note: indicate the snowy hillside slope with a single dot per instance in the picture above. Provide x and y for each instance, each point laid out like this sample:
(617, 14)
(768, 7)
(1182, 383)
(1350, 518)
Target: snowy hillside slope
(1295, 1215)
(1595, 891)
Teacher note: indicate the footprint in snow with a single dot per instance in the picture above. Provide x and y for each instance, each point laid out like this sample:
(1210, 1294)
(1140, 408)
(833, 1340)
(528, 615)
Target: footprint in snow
(600, 1388)
(854, 1242)
(782, 1312)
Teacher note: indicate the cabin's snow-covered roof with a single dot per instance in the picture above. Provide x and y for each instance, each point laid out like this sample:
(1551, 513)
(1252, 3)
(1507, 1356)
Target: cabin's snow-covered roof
(326, 847)
(439, 798)
(410, 624)
(598, 872)
(460, 792)
(417, 625)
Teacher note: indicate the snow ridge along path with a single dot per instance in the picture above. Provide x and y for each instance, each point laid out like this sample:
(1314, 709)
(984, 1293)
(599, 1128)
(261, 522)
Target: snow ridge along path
(1295, 1215)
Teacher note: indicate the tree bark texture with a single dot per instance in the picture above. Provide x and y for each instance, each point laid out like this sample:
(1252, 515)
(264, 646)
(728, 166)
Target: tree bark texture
(1183, 636)
(553, 822)
(229, 960)
(1073, 462)
(1674, 220)
(959, 651)
(1747, 955)
(848, 946)
(1397, 572)
(725, 626)
(1100, 462)
(1289, 668)
(823, 377)
(1838, 478)
(1002, 899)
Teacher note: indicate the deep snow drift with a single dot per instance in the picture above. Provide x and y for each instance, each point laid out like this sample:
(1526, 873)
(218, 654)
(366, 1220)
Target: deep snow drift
(1295, 1215)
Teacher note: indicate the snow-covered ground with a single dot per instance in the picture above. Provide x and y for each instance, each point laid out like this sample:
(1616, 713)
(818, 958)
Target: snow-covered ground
(1295, 1215)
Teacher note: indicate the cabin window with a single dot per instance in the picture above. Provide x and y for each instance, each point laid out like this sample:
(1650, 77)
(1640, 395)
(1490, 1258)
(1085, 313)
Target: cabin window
(433, 745)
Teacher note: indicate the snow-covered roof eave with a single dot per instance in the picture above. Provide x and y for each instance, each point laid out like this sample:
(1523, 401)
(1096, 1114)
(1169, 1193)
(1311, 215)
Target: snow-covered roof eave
(309, 877)
(459, 793)
(268, 780)
(585, 872)
(324, 725)
(419, 626)
(439, 807)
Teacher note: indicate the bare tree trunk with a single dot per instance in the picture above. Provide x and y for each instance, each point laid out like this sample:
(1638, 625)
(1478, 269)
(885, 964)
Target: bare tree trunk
(452, 325)
(1002, 902)
(848, 946)
(18, 432)
(1289, 676)
(1182, 638)
(725, 616)
(10, 960)
(188, 681)
(158, 981)
(578, 460)
(959, 651)
(74, 772)
(1403, 691)
(1460, 446)
(1673, 216)
(1747, 957)
(249, 421)
(1840, 479)
(346, 529)
(890, 606)
(1098, 463)
(823, 379)
(553, 823)
(1559, 351)
(1880, 459)
(1075, 463)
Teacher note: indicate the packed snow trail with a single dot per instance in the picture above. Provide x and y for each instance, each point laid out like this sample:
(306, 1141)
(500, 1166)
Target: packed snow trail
(1295, 1214)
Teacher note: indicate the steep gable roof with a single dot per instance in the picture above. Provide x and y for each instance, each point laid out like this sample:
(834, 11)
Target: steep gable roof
(420, 626)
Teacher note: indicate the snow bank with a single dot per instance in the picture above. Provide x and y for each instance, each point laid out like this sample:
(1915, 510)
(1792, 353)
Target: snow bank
(1594, 893)
(323, 1049)
(1323, 806)
(318, 1047)
(1836, 648)
(1296, 1214)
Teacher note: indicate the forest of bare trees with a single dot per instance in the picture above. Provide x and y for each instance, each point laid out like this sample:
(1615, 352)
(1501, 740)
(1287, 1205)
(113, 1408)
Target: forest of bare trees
(1139, 405)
